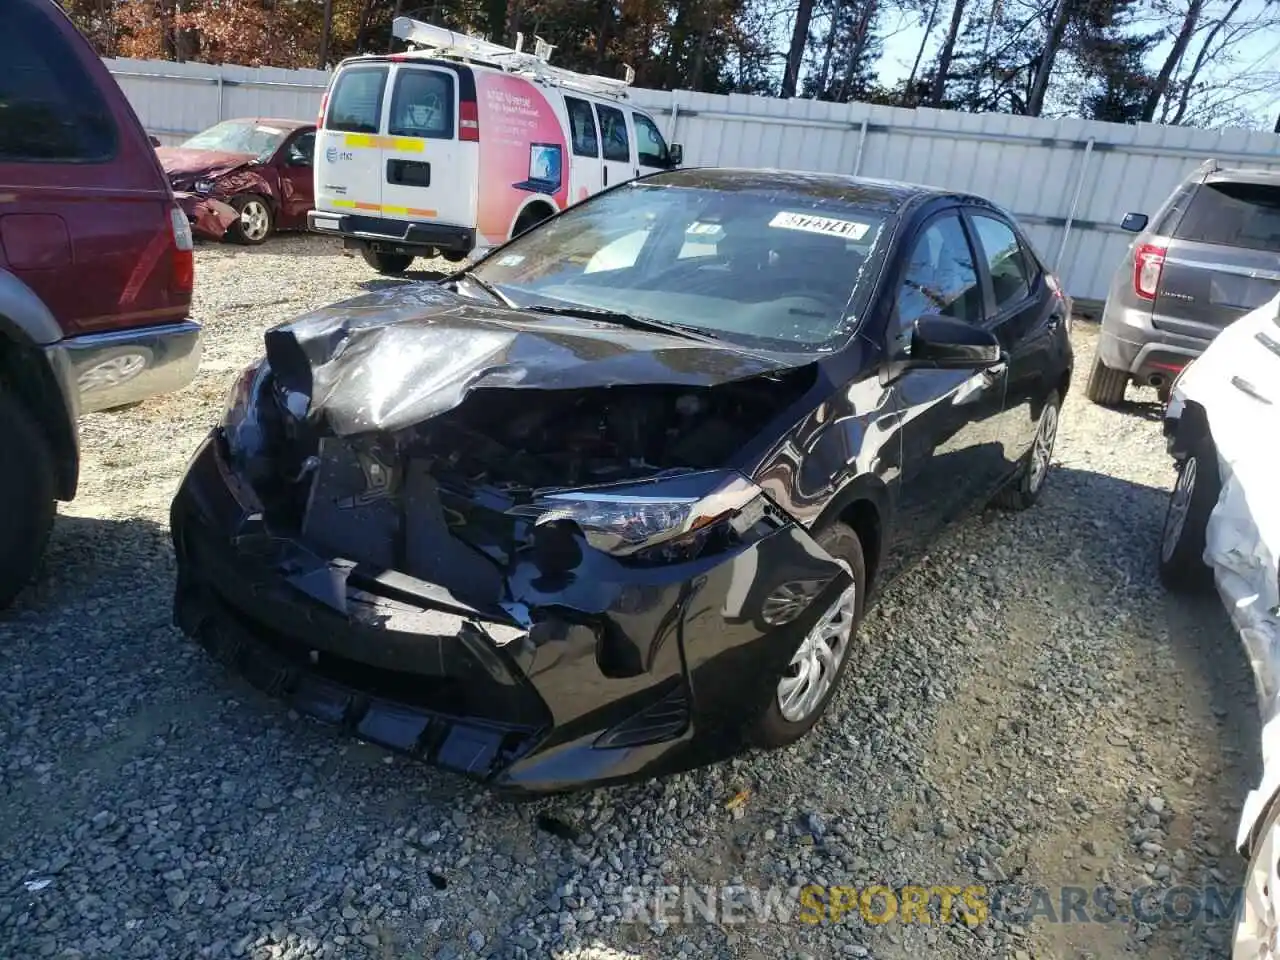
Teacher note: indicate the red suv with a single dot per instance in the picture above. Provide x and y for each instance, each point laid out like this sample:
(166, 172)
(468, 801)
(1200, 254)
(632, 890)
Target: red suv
(96, 269)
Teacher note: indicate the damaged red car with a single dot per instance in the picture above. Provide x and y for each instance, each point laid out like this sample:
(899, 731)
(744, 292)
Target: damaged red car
(610, 502)
(243, 180)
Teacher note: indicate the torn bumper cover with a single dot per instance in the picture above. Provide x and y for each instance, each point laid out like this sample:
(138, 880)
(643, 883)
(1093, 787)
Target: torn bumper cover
(599, 674)
(209, 218)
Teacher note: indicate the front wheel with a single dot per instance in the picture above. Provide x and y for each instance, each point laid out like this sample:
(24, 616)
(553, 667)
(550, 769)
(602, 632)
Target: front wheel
(255, 222)
(810, 680)
(390, 264)
(26, 489)
(1186, 520)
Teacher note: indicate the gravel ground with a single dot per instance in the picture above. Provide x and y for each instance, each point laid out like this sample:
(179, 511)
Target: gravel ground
(1029, 709)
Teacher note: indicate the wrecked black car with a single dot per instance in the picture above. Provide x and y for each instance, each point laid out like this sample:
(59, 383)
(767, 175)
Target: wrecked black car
(610, 502)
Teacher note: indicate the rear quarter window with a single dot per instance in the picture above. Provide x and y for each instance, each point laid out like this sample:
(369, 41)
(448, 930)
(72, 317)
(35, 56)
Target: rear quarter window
(1235, 215)
(51, 109)
(355, 105)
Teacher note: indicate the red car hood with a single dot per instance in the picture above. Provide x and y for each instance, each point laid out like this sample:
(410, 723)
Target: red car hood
(178, 161)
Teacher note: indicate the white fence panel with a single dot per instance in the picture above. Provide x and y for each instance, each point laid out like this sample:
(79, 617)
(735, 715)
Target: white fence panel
(1068, 181)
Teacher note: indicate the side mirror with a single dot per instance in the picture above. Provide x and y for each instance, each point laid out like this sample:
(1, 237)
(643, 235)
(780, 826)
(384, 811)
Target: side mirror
(155, 141)
(675, 153)
(1134, 222)
(947, 343)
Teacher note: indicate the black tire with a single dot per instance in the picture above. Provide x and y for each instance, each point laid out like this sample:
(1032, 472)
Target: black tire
(1026, 486)
(771, 729)
(239, 232)
(530, 218)
(1106, 386)
(453, 256)
(389, 264)
(26, 490)
(1181, 555)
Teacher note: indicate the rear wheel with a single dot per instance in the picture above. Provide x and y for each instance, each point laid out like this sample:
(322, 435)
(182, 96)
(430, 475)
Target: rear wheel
(1024, 489)
(1186, 519)
(256, 220)
(391, 264)
(1106, 386)
(811, 679)
(530, 218)
(26, 490)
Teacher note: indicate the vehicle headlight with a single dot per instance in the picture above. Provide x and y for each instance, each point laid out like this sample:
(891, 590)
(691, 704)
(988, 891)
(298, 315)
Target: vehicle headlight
(241, 423)
(663, 520)
(204, 186)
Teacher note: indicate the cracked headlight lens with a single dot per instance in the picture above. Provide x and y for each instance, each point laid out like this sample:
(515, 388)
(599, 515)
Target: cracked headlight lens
(204, 186)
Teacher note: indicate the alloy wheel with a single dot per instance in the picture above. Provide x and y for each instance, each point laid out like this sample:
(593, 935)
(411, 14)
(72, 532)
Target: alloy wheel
(1257, 931)
(1179, 507)
(816, 664)
(254, 220)
(1042, 449)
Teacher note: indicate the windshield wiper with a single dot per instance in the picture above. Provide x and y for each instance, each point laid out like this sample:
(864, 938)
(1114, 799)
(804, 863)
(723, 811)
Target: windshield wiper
(634, 321)
(488, 288)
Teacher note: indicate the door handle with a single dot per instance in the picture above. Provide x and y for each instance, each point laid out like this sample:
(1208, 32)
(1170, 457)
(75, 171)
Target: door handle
(606, 176)
(1055, 321)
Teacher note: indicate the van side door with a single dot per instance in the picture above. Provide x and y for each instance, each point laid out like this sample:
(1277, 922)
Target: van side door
(615, 144)
(586, 173)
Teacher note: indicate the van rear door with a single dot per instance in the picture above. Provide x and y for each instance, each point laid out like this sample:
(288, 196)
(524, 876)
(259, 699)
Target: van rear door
(348, 157)
(1223, 259)
(430, 149)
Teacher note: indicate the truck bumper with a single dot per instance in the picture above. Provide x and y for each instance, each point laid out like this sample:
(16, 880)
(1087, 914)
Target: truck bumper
(124, 366)
(386, 235)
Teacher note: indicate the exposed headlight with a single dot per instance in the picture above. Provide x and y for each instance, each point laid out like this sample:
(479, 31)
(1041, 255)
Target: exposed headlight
(204, 186)
(668, 519)
(241, 424)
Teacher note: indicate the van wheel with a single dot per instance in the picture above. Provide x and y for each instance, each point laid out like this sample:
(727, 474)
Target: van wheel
(391, 264)
(26, 490)
(531, 217)
(256, 221)
(1106, 386)
(453, 256)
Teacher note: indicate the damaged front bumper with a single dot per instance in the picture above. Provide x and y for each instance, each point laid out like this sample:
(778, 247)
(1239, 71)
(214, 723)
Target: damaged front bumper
(544, 692)
(209, 218)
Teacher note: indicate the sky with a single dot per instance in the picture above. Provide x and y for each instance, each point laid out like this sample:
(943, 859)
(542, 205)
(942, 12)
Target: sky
(1256, 55)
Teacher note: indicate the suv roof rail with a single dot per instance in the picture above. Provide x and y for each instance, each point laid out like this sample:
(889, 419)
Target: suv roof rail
(449, 44)
(1208, 167)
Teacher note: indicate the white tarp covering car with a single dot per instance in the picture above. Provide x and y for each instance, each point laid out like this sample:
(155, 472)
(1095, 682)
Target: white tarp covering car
(1223, 523)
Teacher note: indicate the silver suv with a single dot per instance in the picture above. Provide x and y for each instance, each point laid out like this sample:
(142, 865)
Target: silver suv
(1211, 254)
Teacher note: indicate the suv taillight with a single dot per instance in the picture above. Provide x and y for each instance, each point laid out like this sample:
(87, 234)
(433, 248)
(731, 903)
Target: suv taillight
(184, 257)
(324, 103)
(1148, 262)
(468, 121)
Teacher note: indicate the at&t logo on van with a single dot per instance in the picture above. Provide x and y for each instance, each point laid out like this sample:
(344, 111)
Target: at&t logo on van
(333, 155)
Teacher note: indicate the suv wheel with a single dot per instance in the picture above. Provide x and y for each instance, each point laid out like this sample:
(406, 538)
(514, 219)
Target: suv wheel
(1106, 386)
(26, 490)
(391, 264)
(811, 679)
(1192, 499)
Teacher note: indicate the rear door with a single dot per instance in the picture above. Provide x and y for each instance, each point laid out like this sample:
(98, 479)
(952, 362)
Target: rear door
(422, 160)
(587, 174)
(348, 154)
(1223, 259)
(615, 144)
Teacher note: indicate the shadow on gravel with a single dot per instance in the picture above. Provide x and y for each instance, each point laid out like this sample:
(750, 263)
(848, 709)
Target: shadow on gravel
(96, 562)
(1106, 512)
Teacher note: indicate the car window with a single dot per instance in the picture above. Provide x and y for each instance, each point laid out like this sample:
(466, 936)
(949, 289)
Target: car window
(355, 105)
(582, 123)
(422, 105)
(940, 275)
(1006, 263)
(303, 149)
(650, 147)
(771, 267)
(1234, 214)
(50, 107)
(613, 129)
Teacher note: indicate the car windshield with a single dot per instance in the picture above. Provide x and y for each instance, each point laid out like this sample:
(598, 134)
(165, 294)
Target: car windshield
(239, 136)
(768, 269)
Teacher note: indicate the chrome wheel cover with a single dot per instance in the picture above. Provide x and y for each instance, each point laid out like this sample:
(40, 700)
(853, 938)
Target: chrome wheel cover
(813, 669)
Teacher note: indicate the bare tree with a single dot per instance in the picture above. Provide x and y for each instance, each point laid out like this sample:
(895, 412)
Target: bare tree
(946, 55)
(1052, 43)
(799, 40)
(1181, 40)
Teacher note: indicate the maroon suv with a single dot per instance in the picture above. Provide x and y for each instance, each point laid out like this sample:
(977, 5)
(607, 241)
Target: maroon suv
(96, 269)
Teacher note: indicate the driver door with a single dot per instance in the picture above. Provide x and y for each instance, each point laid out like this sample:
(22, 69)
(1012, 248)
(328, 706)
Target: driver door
(295, 163)
(950, 420)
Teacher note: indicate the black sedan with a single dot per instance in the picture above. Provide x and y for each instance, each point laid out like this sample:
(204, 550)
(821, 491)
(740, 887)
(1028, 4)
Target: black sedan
(610, 502)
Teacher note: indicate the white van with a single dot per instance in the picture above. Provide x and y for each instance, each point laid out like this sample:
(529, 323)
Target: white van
(461, 144)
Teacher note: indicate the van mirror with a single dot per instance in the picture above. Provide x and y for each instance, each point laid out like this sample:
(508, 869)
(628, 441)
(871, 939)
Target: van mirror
(1134, 222)
(675, 153)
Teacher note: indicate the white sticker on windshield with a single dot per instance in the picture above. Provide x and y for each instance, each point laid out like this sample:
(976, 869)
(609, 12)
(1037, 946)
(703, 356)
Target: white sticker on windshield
(271, 130)
(849, 229)
(698, 229)
(511, 260)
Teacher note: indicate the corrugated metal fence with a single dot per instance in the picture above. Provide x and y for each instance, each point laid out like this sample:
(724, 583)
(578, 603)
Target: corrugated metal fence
(1068, 181)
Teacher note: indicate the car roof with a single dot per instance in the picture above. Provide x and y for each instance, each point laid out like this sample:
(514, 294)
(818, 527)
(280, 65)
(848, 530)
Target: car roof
(274, 121)
(1243, 175)
(886, 195)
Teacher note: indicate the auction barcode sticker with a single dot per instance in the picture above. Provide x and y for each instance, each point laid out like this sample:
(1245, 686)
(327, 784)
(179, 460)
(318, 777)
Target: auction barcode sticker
(832, 227)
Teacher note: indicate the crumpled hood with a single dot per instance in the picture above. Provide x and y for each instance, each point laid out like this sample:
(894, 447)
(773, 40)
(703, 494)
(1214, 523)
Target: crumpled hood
(391, 359)
(181, 162)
